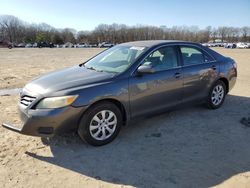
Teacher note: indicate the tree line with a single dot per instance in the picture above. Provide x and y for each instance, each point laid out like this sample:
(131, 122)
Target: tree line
(14, 30)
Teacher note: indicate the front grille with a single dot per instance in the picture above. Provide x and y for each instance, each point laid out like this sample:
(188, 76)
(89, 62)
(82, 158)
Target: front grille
(27, 100)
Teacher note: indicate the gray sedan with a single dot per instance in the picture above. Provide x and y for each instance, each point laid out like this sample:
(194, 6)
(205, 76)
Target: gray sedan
(124, 82)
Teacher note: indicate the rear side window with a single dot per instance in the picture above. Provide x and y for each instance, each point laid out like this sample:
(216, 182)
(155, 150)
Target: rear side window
(193, 56)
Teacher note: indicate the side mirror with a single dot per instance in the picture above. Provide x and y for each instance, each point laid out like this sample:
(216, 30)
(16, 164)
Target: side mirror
(145, 69)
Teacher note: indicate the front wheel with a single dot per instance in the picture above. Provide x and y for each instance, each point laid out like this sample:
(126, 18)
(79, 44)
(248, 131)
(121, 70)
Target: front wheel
(216, 95)
(100, 124)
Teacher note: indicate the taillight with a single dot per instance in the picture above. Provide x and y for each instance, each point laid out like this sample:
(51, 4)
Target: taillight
(234, 67)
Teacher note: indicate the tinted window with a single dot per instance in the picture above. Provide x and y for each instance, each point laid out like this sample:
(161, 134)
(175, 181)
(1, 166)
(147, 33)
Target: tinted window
(162, 59)
(192, 56)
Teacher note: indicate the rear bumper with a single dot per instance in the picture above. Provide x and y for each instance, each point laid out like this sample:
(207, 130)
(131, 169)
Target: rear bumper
(47, 122)
(232, 83)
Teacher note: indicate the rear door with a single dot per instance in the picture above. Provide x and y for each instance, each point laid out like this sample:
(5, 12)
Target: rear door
(199, 72)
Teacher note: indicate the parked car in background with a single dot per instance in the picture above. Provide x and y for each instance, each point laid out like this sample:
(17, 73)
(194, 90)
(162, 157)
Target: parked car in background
(205, 44)
(221, 44)
(242, 45)
(20, 45)
(4, 44)
(214, 44)
(230, 45)
(29, 45)
(34, 45)
(124, 82)
(211, 44)
(93, 45)
(68, 45)
(81, 45)
(45, 45)
(58, 45)
(105, 45)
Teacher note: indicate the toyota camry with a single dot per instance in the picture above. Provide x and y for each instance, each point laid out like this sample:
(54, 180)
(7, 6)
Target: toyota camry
(97, 97)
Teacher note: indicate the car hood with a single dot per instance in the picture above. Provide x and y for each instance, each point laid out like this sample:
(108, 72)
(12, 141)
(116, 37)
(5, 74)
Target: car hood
(68, 78)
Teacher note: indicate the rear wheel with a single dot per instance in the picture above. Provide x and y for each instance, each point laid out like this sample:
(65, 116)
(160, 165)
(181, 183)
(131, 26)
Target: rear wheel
(216, 95)
(100, 124)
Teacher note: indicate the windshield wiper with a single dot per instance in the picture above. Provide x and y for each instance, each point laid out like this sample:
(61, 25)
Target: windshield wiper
(92, 68)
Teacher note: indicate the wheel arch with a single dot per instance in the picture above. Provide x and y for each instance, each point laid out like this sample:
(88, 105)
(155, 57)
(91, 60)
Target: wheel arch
(226, 82)
(116, 102)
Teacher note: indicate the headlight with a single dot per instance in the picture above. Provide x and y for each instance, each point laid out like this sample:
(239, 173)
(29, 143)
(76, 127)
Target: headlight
(56, 102)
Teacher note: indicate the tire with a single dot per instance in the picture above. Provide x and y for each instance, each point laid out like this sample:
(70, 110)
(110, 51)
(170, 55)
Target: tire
(216, 95)
(97, 130)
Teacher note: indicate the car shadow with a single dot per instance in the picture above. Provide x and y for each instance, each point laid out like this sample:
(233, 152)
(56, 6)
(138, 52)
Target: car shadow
(191, 147)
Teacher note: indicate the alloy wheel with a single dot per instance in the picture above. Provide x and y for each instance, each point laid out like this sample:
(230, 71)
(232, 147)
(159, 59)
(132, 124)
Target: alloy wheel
(217, 95)
(103, 125)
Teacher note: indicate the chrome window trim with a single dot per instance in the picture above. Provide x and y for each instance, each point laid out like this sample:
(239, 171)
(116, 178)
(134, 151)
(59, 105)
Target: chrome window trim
(178, 58)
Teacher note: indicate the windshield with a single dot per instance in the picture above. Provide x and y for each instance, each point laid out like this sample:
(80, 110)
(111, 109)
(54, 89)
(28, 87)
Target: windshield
(116, 59)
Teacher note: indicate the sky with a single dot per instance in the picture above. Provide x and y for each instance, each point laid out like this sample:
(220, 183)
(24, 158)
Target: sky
(87, 14)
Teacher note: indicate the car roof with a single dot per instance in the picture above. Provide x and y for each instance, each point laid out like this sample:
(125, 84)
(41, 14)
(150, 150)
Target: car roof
(151, 43)
(154, 43)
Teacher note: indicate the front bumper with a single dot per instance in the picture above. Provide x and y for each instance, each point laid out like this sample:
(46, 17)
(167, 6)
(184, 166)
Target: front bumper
(12, 128)
(47, 122)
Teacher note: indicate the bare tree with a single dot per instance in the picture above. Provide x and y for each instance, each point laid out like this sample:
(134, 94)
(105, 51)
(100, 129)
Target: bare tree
(245, 34)
(68, 35)
(14, 30)
(11, 27)
(222, 32)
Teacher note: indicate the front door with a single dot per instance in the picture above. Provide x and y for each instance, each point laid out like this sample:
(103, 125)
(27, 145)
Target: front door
(161, 89)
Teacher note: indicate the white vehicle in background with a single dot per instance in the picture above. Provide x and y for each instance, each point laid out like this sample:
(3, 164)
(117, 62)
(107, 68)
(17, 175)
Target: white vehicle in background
(105, 45)
(93, 45)
(211, 44)
(21, 45)
(68, 45)
(29, 45)
(81, 45)
(242, 45)
(205, 44)
(34, 45)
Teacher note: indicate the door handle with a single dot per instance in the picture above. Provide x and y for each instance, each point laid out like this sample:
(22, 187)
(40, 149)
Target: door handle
(177, 75)
(214, 67)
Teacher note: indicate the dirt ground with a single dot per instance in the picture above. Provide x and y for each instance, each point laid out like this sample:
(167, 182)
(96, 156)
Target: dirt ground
(191, 147)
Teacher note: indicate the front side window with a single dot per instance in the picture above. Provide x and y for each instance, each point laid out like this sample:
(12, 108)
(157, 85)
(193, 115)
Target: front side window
(116, 59)
(192, 56)
(162, 59)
